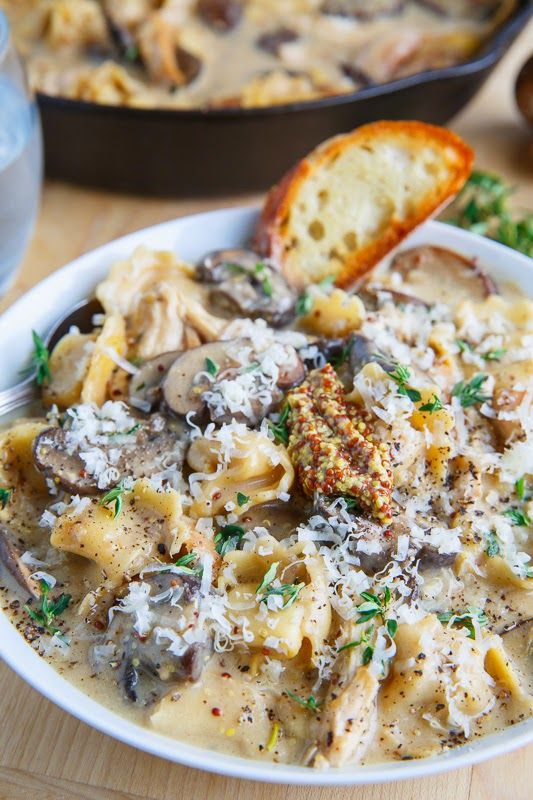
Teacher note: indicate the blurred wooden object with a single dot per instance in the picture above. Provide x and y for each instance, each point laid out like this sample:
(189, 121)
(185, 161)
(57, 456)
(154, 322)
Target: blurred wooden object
(45, 752)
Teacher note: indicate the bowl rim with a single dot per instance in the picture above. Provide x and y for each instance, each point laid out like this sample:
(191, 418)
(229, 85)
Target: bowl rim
(490, 53)
(39, 674)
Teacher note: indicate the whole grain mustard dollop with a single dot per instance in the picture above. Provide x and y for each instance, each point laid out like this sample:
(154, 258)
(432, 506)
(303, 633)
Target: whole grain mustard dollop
(333, 448)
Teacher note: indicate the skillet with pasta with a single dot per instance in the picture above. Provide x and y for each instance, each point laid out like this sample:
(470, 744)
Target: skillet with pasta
(293, 527)
(186, 54)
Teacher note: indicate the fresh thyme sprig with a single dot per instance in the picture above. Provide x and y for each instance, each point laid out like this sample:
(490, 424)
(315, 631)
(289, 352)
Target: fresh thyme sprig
(518, 517)
(433, 405)
(469, 393)
(228, 538)
(465, 620)
(483, 207)
(48, 609)
(266, 285)
(288, 591)
(114, 498)
(364, 639)
(493, 544)
(242, 499)
(40, 360)
(183, 564)
(211, 367)
(311, 703)
(280, 428)
(401, 375)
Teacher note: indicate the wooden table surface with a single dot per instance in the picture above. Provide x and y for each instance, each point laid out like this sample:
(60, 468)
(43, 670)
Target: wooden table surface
(48, 754)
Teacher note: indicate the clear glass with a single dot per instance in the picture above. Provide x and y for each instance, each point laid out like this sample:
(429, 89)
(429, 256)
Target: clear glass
(20, 159)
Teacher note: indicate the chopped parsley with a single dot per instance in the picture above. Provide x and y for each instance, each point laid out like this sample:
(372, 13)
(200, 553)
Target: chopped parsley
(517, 517)
(469, 394)
(48, 609)
(401, 375)
(114, 498)
(279, 428)
(5, 496)
(211, 367)
(242, 499)
(40, 360)
(183, 564)
(228, 539)
(493, 545)
(311, 703)
(465, 620)
(433, 405)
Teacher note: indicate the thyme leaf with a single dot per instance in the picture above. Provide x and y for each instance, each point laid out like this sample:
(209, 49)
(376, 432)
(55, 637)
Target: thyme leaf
(311, 703)
(228, 539)
(469, 394)
(40, 360)
(47, 611)
(433, 405)
(5, 496)
(279, 428)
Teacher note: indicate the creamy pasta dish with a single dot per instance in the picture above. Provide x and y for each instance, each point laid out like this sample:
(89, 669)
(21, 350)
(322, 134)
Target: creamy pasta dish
(239, 53)
(295, 527)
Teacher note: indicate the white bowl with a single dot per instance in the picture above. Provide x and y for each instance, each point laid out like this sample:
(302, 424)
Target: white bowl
(191, 237)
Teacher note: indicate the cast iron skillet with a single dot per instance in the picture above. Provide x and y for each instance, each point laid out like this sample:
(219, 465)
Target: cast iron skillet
(223, 151)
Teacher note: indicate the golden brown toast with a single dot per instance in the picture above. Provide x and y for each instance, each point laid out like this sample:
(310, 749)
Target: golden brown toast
(356, 196)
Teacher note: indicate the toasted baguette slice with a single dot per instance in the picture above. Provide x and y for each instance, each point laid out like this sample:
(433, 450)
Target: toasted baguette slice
(356, 196)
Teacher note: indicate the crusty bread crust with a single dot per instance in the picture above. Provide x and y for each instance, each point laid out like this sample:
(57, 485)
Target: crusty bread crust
(274, 236)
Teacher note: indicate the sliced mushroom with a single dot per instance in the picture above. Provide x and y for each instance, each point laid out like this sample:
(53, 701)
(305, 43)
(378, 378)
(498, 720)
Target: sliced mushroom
(356, 74)
(273, 40)
(436, 273)
(184, 384)
(247, 286)
(222, 15)
(372, 295)
(363, 351)
(362, 9)
(153, 447)
(187, 380)
(145, 664)
(145, 386)
(11, 558)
